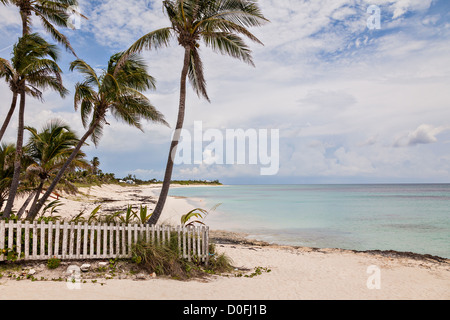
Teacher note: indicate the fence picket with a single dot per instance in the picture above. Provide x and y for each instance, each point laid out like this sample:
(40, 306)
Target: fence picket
(179, 239)
(124, 248)
(34, 255)
(19, 238)
(10, 235)
(153, 233)
(64, 241)
(85, 239)
(57, 232)
(27, 240)
(50, 239)
(2, 239)
(129, 241)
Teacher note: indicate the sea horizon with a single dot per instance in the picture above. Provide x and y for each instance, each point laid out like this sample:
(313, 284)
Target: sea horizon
(407, 217)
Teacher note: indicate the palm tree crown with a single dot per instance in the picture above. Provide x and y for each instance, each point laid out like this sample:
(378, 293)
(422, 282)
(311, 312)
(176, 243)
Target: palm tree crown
(118, 90)
(32, 69)
(219, 23)
(33, 66)
(50, 148)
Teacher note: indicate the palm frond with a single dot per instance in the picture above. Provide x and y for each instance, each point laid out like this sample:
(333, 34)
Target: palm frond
(6, 69)
(196, 74)
(56, 35)
(229, 44)
(89, 74)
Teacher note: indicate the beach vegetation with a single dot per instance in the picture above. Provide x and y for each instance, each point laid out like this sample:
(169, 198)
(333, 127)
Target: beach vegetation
(219, 262)
(53, 263)
(221, 25)
(196, 216)
(143, 215)
(165, 260)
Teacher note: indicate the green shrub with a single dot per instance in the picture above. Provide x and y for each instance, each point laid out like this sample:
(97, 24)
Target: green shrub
(53, 263)
(218, 263)
(162, 260)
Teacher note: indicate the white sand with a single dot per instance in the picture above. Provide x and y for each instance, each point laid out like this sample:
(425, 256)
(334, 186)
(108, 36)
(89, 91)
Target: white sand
(117, 199)
(295, 273)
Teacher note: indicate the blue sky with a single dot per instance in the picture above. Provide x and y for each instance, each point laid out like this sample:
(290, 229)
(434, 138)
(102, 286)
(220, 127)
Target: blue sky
(352, 105)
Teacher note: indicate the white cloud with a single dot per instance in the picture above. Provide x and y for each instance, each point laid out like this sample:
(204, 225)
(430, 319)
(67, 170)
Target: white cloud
(424, 134)
(400, 7)
(118, 23)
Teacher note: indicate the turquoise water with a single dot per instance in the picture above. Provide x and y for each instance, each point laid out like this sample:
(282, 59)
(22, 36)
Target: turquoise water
(413, 218)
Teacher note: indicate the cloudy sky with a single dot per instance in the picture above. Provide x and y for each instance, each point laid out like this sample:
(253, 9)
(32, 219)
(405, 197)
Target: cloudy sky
(352, 104)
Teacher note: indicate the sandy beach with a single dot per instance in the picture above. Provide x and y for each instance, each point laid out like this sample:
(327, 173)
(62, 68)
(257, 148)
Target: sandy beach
(290, 273)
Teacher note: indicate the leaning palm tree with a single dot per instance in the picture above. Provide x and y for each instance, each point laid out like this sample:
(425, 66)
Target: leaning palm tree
(34, 61)
(220, 24)
(48, 150)
(117, 90)
(51, 13)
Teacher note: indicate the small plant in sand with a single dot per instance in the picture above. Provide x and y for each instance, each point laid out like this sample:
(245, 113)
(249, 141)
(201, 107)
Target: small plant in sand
(197, 213)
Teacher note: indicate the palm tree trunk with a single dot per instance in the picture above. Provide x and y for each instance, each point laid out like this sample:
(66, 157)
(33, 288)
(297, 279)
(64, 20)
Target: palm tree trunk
(17, 159)
(36, 198)
(173, 146)
(9, 115)
(25, 204)
(34, 211)
(24, 15)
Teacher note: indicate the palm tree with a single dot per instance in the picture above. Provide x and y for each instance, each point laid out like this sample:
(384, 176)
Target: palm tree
(49, 150)
(34, 61)
(51, 13)
(94, 165)
(117, 90)
(220, 24)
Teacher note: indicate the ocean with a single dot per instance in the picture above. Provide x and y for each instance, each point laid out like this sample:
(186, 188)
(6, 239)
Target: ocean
(404, 217)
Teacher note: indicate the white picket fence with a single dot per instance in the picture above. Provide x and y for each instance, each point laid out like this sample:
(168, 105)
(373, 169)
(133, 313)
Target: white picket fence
(70, 241)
